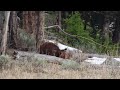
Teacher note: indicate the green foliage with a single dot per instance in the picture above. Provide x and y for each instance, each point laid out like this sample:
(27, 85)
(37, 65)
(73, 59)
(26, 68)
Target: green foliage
(40, 62)
(75, 26)
(70, 64)
(26, 38)
(4, 58)
(3, 61)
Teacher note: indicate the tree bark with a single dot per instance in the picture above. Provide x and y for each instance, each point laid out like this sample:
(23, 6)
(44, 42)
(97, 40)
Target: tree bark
(116, 32)
(13, 30)
(59, 18)
(25, 21)
(106, 32)
(40, 29)
(15, 24)
(29, 21)
(5, 30)
(33, 22)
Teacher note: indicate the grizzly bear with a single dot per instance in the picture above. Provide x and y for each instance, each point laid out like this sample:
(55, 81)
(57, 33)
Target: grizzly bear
(53, 50)
(65, 55)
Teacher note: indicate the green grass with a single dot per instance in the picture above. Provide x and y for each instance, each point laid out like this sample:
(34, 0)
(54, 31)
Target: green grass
(70, 64)
(41, 69)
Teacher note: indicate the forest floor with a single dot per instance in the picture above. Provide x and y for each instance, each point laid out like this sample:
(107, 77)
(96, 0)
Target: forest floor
(38, 66)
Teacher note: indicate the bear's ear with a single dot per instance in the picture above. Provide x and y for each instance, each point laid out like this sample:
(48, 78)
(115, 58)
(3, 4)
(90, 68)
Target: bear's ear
(15, 53)
(65, 49)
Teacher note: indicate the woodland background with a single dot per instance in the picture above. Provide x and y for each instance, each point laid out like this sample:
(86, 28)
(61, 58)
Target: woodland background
(93, 31)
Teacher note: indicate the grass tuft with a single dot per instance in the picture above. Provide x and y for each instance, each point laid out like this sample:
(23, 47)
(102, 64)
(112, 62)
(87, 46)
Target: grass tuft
(69, 64)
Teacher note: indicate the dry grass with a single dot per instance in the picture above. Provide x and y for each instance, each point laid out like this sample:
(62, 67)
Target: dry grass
(34, 69)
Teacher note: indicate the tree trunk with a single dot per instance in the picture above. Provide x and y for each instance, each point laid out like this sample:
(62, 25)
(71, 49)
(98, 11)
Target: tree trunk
(15, 26)
(29, 21)
(59, 18)
(25, 21)
(64, 15)
(105, 33)
(5, 30)
(13, 30)
(40, 29)
(116, 32)
(33, 22)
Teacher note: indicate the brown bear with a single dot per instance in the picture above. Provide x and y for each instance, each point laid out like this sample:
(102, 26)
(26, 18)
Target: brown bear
(66, 55)
(53, 50)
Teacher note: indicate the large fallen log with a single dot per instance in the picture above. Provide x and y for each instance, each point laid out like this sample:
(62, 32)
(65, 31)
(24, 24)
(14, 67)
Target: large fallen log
(21, 55)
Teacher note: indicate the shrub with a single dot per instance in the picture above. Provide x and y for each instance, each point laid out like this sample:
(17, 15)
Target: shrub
(4, 60)
(70, 64)
(26, 39)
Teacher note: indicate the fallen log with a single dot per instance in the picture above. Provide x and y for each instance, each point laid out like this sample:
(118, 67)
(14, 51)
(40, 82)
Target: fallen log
(21, 55)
